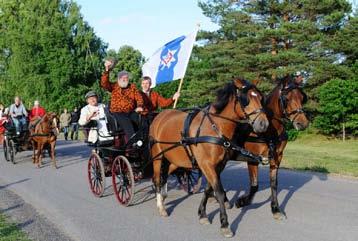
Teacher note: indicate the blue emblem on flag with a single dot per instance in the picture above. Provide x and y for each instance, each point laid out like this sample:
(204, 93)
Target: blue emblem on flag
(169, 58)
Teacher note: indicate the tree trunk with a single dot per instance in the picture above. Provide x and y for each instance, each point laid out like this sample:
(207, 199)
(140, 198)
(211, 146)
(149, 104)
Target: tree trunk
(344, 131)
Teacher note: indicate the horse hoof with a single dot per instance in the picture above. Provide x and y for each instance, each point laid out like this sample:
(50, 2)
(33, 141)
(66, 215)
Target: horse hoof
(204, 221)
(226, 232)
(241, 202)
(228, 205)
(163, 213)
(279, 216)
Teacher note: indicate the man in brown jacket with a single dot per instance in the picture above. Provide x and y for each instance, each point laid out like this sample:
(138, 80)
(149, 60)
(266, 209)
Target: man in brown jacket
(126, 101)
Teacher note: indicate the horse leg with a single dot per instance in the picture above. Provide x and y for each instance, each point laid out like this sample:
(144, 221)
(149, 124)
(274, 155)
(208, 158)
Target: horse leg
(214, 181)
(164, 178)
(275, 209)
(39, 154)
(52, 150)
(219, 170)
(34, 152)
(157, 183)
(247, 199)
(203, 217)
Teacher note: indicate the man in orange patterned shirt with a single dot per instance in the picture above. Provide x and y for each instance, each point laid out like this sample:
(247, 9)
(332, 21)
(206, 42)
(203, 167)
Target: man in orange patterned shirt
(126, 101)
(153, 100)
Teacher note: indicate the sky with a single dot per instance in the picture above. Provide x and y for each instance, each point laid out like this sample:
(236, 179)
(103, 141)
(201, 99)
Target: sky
(145, 25)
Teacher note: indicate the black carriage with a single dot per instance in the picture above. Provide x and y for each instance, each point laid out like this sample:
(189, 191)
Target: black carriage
(127, 162)
(14, 143)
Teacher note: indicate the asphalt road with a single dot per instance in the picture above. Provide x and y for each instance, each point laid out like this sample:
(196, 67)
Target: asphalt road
(318, 207)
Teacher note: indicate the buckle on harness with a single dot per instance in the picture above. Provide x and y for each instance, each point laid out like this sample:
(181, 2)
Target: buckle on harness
(227, 144)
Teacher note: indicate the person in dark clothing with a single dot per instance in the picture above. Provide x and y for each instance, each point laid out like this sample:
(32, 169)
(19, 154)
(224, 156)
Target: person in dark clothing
(75, 116)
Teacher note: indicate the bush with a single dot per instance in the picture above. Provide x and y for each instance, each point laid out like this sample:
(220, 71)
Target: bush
(338, 104)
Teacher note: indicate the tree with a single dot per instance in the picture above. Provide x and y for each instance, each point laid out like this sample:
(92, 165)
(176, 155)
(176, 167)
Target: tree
(267, 40)
(129, 59)
(338, 107)
(46, 49)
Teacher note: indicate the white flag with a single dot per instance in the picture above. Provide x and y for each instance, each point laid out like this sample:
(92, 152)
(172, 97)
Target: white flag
(170, 61)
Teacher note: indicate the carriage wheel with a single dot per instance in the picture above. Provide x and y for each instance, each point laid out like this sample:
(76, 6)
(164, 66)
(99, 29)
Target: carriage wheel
(122, 180)
(96, 177)
(6, 149)
(12, 151)
(191, 180)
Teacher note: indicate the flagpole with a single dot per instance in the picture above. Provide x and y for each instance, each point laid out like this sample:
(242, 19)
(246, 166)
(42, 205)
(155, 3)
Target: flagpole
(179, 89)
(182, 79)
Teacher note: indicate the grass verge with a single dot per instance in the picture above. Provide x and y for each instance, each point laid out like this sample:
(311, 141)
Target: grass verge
(10, 232)
(319, 153)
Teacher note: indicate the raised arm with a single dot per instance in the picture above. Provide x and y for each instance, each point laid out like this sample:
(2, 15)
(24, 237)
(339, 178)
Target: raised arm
(105, 84)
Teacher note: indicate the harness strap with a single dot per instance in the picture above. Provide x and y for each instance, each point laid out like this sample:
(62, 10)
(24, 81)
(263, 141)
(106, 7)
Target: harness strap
(206, 139)
(185, 134)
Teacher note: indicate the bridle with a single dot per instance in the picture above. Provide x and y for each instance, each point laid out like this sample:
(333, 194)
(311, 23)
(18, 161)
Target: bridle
(243, 100)
(283, 102)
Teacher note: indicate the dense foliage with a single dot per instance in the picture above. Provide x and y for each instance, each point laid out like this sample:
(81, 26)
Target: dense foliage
(48, 52)
(338, 106)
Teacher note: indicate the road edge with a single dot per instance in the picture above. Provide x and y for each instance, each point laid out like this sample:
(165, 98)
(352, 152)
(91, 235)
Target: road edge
(34, 224)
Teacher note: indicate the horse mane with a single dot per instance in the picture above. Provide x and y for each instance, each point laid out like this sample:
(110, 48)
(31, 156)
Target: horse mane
(223, 96)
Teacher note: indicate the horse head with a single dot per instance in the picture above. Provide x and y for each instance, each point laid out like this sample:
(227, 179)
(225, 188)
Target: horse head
(53, 121)
(249, 104)
(292, 98)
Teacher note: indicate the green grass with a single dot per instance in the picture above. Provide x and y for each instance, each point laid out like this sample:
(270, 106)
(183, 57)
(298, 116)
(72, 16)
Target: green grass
(315, 152)
(10, 232)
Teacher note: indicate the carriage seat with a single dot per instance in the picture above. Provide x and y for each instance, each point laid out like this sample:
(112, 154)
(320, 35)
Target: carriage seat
(113, 126)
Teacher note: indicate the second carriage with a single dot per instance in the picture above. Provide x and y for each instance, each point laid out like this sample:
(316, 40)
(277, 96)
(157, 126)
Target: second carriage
(15, 142)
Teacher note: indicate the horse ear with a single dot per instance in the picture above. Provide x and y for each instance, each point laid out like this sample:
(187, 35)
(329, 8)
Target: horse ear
(285, 81)
(255, 82)
(239, 83)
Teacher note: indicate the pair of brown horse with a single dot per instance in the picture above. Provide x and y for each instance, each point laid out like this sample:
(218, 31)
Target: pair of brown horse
(237, 102)
(43, 135)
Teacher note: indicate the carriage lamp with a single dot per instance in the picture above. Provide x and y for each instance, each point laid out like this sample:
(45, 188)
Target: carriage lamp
(139, 143)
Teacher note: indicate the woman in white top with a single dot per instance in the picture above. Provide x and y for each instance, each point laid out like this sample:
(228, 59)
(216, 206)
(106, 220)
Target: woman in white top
(94, 111)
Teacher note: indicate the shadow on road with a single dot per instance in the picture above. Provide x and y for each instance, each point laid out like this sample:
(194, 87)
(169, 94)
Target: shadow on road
(288, 181)
(236, 179)
(11, 208)
(14, 183)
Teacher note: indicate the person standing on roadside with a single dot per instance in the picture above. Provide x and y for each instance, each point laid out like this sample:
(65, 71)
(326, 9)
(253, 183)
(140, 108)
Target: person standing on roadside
(65, 119)
(75, 116)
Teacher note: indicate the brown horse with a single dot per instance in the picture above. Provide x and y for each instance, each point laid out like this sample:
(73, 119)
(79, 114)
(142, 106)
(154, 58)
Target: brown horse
(283, 103)
(237, 101)
(43, 132)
